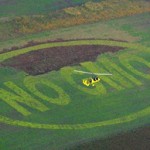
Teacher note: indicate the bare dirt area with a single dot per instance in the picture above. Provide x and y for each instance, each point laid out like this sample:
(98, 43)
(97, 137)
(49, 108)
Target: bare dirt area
(45, 60)
(134, 140)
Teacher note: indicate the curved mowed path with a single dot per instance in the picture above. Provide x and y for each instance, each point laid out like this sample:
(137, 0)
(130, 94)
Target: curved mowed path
(133, 52)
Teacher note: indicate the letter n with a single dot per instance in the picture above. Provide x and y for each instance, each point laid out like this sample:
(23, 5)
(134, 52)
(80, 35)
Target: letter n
(20, 97)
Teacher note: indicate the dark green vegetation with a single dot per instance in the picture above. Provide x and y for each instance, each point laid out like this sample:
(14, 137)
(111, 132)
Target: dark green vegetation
(135, 139)
(84, 106)
(11, 8)
(83, 114)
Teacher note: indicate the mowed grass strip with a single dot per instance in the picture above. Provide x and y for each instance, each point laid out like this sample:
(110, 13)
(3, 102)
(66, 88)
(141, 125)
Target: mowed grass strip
(94, 67)
(7, 55)
(120, 120)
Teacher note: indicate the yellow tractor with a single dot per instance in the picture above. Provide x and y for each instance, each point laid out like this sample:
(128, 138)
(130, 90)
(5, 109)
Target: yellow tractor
(92, 80)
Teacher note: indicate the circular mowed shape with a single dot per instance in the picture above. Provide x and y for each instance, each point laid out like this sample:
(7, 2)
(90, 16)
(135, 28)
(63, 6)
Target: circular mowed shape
(87, 44)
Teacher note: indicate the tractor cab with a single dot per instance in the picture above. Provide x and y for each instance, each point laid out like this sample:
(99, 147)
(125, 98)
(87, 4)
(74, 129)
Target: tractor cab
(92, 80)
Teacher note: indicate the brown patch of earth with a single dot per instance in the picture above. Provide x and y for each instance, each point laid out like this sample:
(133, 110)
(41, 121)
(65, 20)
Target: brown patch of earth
(45, 60)
(134, 140)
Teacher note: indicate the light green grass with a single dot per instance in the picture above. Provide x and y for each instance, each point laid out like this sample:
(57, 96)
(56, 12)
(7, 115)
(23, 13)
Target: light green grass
(10, 54)
(98, 115)
(137, 26)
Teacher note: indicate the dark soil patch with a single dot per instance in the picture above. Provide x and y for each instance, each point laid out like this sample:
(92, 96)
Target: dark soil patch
(134, 140)
(45, 60)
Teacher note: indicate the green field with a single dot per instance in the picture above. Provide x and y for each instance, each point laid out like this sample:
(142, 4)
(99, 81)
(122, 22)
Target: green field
(55, 110)
(28, 7)
(67, 106)
(114, 29)
(24, 23)
(11, 8)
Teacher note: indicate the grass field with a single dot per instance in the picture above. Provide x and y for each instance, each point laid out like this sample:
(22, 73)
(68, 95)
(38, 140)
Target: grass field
(55, 111)
(11, 8)
(76, 107)
(113, 29)
(88, 12)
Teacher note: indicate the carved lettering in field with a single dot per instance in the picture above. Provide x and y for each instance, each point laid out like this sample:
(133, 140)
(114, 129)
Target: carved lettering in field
(31, 82)
(20, 97)
(119, 75)
(126, 62)
(92, 67)
(67, 74)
